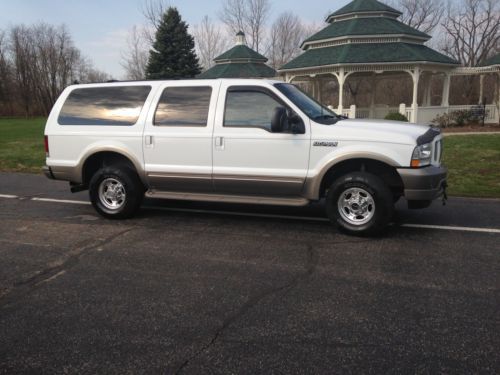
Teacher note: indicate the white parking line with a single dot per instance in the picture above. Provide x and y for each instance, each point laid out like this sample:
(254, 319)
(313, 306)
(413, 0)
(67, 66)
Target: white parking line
(271, 216)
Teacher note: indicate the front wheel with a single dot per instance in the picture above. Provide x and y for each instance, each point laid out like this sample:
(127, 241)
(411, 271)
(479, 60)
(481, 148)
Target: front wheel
(116, 192)
(360, 203)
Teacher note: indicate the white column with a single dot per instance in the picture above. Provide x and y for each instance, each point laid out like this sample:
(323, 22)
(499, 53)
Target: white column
(416, 77)
(352, 111)
(445, 101)
(341, 79)
(428, 88)
(372, 99)
(481, 88)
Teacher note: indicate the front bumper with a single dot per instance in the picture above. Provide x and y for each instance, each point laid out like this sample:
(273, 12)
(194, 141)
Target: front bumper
(423, 184)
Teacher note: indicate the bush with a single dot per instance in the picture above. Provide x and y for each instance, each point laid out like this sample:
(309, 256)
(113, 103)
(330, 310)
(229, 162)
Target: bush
(396, 116)
(444, 120)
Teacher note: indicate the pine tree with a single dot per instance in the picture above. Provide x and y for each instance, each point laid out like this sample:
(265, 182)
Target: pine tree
(173, 55)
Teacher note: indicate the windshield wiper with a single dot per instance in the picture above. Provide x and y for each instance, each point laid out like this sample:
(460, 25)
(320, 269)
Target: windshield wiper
(324, 117)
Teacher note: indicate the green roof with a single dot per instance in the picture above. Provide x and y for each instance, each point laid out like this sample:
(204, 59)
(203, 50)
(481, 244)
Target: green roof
(241, 52)
(366, 26)
(358, 6)
(239, 70)
(495, 60)
(369, 53)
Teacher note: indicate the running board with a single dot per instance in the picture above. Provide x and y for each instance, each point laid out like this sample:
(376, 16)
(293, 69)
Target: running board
(227, 198)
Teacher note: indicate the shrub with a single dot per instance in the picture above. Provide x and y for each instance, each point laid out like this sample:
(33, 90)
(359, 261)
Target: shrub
(444, 120)
(396, 116)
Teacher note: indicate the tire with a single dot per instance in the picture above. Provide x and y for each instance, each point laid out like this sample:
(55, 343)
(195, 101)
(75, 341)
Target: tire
(360, 204)
(116, 192)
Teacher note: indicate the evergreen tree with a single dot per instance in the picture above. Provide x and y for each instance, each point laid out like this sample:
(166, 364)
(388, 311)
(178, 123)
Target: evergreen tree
(173, 55)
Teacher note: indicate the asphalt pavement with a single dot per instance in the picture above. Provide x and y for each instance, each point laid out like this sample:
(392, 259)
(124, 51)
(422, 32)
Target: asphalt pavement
(197, 288)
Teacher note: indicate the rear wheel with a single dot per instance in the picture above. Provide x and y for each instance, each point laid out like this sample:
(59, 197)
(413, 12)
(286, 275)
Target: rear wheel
(360, 203)
(116, 192)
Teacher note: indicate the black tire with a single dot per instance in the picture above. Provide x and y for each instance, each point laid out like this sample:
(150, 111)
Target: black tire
(129, 192)
(376, 209)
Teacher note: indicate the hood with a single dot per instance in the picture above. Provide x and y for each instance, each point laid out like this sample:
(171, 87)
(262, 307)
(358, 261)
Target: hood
(373, 130)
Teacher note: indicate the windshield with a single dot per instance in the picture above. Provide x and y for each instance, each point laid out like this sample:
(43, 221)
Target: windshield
(314, 110)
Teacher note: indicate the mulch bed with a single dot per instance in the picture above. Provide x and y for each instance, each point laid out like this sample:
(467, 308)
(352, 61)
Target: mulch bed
(473, 128)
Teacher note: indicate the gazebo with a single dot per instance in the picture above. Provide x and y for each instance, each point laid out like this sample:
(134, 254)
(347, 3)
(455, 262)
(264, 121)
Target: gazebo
(366, 39)
(239, 62)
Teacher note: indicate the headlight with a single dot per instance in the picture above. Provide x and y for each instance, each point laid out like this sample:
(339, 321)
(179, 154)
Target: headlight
(422, 155)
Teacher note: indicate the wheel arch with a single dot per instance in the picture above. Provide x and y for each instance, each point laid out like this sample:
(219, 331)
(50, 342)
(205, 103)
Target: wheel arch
(380, 165)
(96, 159)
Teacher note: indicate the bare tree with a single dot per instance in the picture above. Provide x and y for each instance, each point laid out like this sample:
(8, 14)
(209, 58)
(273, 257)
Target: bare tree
(249, 16)
(423, 15)
(473, 31)
(153, 11)
(6, 89)
(135, 59)
(286, 35)
(210, 41)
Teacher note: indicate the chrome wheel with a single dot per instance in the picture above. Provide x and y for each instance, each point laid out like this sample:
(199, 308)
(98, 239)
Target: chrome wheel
(356, 206)
(112, 193)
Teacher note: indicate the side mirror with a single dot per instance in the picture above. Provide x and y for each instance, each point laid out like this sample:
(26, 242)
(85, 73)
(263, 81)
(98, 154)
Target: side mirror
(279, 122)
(296, 124)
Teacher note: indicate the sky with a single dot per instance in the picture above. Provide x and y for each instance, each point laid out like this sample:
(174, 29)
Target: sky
(100, 27)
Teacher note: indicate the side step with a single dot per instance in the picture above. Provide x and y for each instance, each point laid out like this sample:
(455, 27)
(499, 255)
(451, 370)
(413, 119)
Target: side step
(228, 198)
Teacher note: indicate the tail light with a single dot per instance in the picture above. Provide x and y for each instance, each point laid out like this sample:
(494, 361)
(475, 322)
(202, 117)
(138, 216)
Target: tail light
(46, 139)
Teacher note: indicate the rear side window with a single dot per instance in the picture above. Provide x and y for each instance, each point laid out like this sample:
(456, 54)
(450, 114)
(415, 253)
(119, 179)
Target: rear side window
(183, 106)
(104, 106)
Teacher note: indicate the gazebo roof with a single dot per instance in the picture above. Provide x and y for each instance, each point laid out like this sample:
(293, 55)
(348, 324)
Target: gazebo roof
(239, 62)
(239, 70)
(366, 26)
(366, 32)
(369, 53)
(495, 60)
(363, 6)
(241, 52)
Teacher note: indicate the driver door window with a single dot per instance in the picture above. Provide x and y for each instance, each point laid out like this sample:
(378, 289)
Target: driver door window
(250, 109)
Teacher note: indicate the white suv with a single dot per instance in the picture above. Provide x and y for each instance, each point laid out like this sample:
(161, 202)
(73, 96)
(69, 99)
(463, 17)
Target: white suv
(245, 141)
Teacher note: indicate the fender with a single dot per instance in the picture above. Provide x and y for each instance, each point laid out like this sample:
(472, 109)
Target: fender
(312, 184)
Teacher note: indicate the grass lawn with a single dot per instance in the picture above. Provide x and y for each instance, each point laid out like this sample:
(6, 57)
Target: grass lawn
(21, 144)
(474, 165)
(473, 160)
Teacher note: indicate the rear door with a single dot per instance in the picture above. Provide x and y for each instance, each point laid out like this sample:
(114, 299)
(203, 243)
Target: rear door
(177, 139)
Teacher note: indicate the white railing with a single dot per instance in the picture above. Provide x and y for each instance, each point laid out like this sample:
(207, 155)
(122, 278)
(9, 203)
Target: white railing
(491, 111)
(362, 112)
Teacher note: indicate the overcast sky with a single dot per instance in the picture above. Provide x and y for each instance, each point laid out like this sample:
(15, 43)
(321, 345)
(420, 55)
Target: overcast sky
(99, 27)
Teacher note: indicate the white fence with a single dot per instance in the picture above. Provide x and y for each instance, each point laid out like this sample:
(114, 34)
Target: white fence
(424, 114)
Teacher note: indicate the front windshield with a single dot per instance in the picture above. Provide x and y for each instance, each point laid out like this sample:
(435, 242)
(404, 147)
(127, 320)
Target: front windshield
(314, 110)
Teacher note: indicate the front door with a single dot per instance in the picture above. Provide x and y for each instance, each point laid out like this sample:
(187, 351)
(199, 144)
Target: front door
(249, 159)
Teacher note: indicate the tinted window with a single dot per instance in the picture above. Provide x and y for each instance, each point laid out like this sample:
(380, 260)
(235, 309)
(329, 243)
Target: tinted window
(104, 105)
(183, 106)
(249, 109)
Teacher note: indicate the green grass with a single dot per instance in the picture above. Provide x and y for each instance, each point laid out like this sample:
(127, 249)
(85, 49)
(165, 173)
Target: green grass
(21, 145)
(473, 160)
(474, 165)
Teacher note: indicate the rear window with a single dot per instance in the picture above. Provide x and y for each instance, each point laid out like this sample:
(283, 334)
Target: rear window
(104, 106)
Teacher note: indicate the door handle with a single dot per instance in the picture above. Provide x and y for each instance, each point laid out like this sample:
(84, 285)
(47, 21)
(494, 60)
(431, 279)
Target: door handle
(148, 139)
(219, 143)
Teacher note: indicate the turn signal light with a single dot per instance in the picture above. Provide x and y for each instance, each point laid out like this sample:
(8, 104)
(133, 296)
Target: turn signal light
(415, 163)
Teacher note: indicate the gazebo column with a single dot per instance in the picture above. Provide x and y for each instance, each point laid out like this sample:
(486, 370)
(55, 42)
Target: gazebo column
(341, 77)
(427, 93)
(481, 88)
(372, 98)
(445, 98)
(415, 74)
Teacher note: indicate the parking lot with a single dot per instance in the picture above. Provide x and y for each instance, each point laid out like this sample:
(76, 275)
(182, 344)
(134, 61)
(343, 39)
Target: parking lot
(215, 288)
